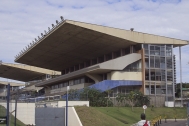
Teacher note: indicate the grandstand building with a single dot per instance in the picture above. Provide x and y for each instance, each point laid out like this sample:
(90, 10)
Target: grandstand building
(104, 58)
(27, 76)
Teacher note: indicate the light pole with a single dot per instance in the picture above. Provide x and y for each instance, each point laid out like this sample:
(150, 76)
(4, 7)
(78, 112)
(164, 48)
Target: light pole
(68, 87)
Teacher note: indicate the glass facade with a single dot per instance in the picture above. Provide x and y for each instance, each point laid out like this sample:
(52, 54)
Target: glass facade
(159, 70)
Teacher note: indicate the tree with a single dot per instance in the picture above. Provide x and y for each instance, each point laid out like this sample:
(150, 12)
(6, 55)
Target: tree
(131, 97)
(136, 98)
(141, 99)
(109, 91)
(73, 94)
(96, 97)
(120, 98)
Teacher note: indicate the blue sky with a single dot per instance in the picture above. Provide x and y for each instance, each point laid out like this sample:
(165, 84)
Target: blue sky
(21, 21)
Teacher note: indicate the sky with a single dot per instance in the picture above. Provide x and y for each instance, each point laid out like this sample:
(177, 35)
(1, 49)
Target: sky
(22, 20)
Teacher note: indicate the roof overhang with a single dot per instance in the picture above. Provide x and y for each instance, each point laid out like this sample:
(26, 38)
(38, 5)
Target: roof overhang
(13, 84)
(22, 72)
(72, 42)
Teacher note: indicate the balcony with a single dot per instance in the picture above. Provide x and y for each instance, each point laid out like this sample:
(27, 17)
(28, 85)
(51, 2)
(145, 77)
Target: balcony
(63, 89)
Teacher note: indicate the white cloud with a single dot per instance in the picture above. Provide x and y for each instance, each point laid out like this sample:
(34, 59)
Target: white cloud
(21, 21)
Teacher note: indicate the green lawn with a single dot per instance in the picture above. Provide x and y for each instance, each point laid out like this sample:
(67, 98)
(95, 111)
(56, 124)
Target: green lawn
(91, 117)
(124, 116)
(3, 113)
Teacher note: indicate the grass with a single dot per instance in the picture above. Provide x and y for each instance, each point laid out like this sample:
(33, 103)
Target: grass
(90, 116)
(3, 113)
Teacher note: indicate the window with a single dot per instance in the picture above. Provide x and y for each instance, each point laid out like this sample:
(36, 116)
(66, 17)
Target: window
(152, 61)
(82, 65)
(76, 67)
(108, 56)
(145, 46)
(88, 63)
(152, 89)
(71, 69)
(101, 59)
(94, 61)
(117, 54)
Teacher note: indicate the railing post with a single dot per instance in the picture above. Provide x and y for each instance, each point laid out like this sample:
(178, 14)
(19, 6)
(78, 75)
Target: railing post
(160, 119)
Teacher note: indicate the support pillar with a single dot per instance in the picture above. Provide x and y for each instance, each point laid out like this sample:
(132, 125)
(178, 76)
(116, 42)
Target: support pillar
(180, 76)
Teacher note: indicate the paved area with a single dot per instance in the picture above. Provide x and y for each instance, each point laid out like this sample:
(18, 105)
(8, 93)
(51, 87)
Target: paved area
(173, 123)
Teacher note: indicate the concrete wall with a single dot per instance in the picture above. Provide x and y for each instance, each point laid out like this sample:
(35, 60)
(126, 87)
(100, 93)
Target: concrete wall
(121, 75)
(73, 103)
(25, 112)
(157, 101)
(64, 89)
(73, 118)
(49, 116)
(169, 103)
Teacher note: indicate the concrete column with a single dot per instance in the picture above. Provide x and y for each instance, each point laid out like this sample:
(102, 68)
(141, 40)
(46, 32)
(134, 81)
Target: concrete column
(121, 52)
(172, 56)
(166, 97)
(180, 76)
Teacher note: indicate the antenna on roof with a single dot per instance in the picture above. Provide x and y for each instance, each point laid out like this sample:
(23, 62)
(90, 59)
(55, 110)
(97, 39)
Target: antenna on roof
(132, 29)
(56, 21)
(45, 32)
(62, 18)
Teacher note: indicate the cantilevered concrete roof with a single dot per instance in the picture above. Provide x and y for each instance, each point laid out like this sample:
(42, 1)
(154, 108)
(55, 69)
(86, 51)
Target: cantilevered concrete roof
(11, 83)
(72, 42)
(22, 72)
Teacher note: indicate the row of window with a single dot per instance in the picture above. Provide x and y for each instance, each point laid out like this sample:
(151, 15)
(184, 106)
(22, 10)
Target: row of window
(158, 50)
(158, 75)
(152, 89)
(102, 58)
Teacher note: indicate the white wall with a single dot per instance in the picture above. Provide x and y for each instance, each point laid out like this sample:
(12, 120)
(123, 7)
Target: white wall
(73, 103)
(169, 104)
(73, 118)
(25, 112)
(121, 75)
